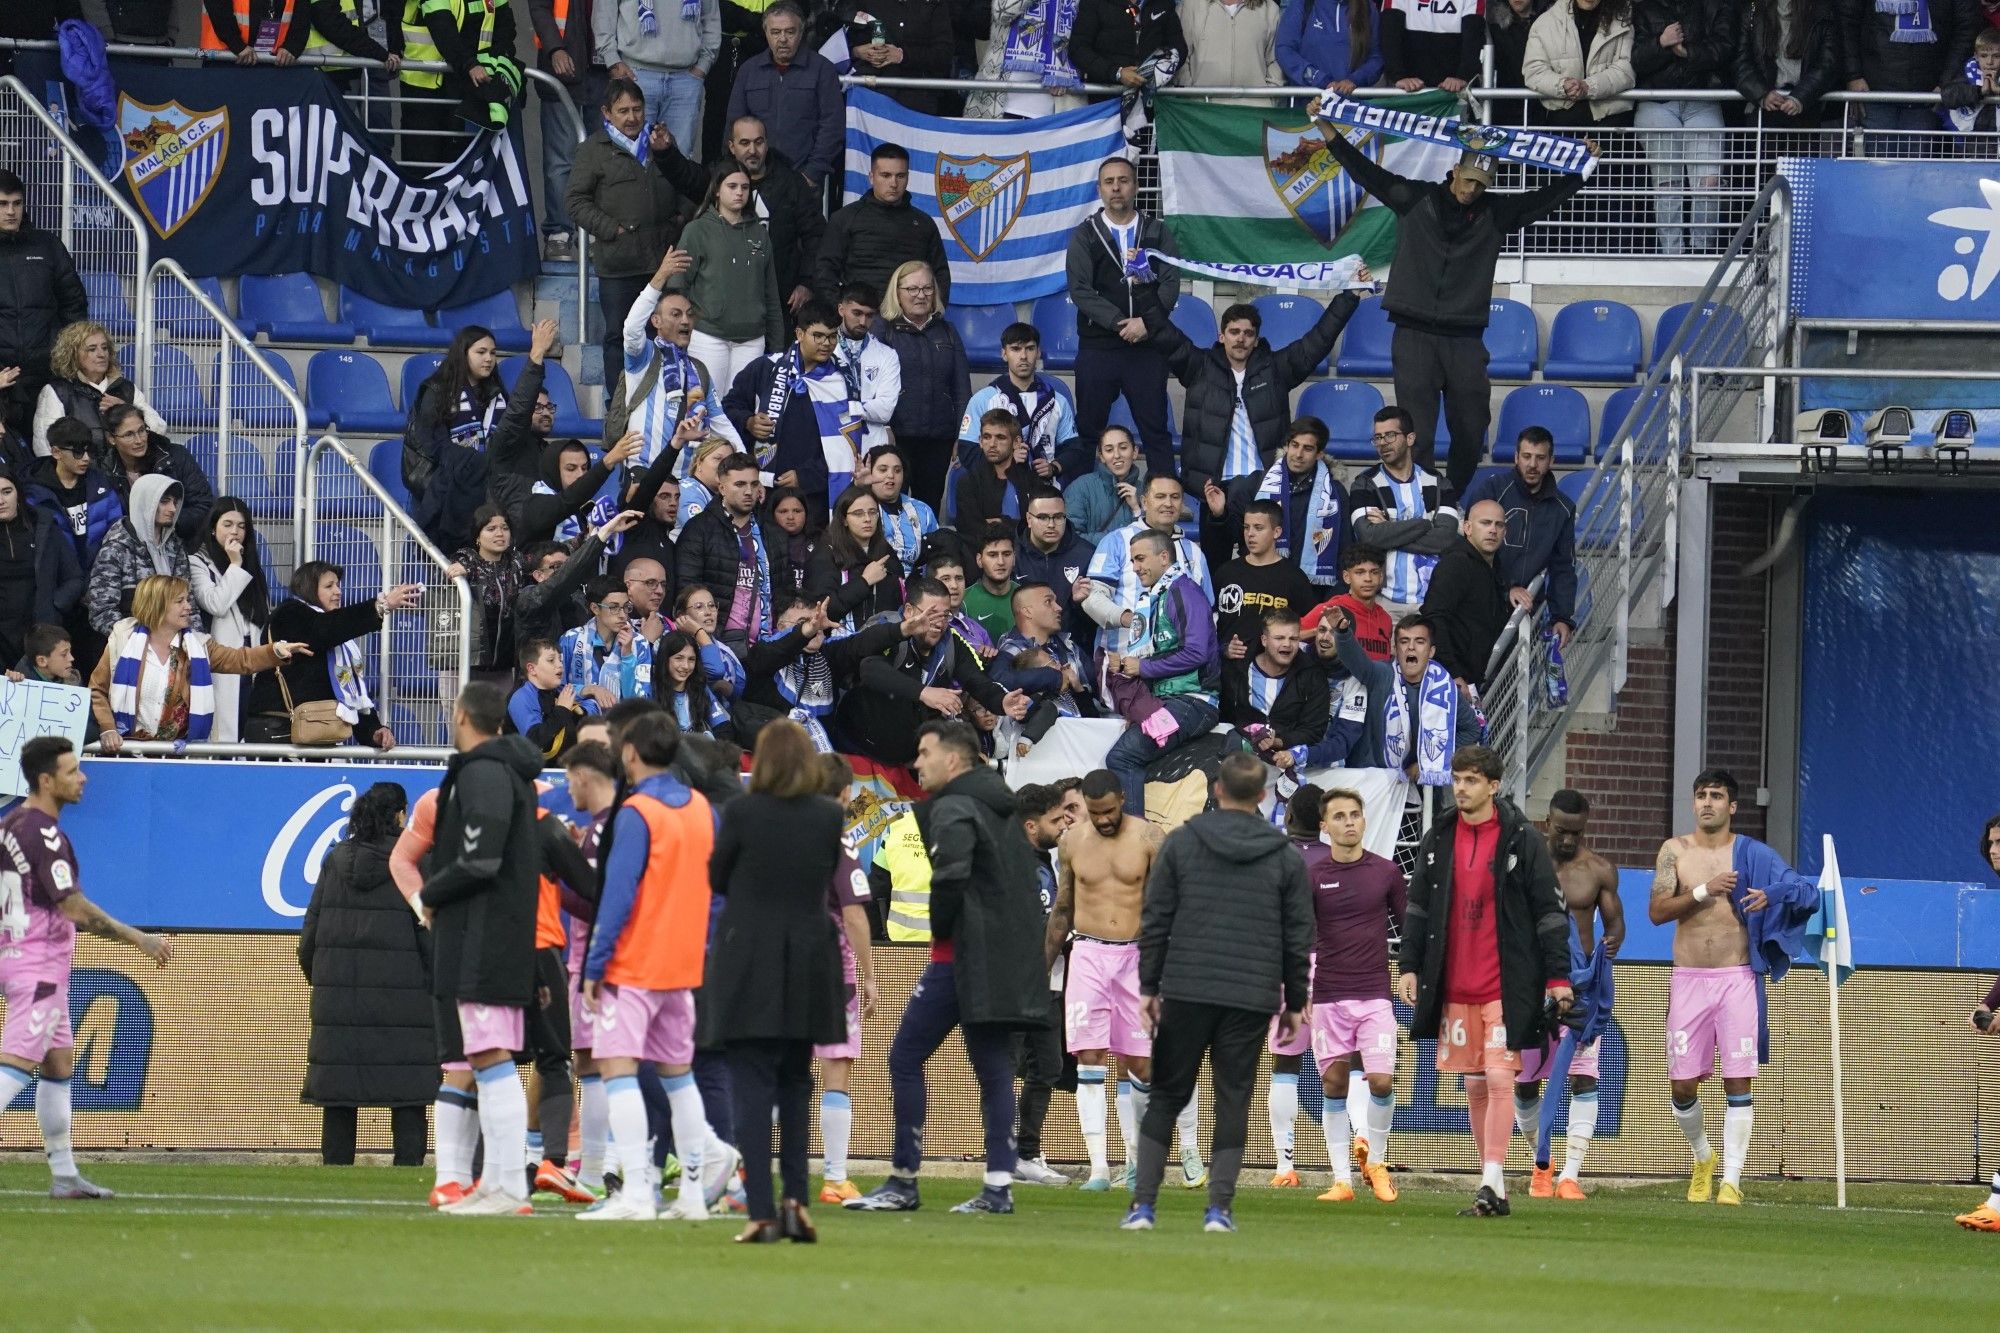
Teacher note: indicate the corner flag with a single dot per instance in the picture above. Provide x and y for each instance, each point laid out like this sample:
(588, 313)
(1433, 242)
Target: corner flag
(1828, 942)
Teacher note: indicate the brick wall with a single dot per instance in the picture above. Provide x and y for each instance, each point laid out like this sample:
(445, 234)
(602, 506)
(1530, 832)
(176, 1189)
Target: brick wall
(1738, 630)
(1627, 773)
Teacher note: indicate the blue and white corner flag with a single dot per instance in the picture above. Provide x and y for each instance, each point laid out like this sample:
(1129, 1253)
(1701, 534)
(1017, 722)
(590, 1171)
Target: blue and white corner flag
(1828, 940)
(1006, 193)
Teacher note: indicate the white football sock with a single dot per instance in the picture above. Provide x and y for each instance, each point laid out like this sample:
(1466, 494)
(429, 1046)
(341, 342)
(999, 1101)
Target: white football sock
(625, 1115)
(455, 1123)
(1689, 1119)
(1736, 1121)
(1090, 1115)
(1528, 1115)
(52, 1110)
(1582, 1127)
(1130, 1107)
(503, 1120)
(1284, 1106)
(691, 1131)
(592, 1127)
(836, 1127)
(1189, 1123)
(1333, 1123)
(534, 1148)
(1494, 1177)
(1381, 1118)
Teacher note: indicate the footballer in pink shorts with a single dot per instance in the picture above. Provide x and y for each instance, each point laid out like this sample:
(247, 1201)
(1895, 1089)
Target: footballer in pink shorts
(1101, 999)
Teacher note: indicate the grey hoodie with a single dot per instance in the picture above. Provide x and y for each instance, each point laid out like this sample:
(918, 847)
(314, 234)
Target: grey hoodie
(677, 44)
(1229, 916)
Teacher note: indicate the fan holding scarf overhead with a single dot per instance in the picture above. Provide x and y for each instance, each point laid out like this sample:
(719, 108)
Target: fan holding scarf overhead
(156, 680)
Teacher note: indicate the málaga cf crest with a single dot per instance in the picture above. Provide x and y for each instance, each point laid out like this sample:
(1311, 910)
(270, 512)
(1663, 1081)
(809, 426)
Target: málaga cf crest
(173, 158)
(1308, 179)
(980, 198)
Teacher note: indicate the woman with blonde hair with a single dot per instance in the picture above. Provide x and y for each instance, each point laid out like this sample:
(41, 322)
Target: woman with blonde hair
(156, 680)
(85, 382)
(937, 377)
(698, 487)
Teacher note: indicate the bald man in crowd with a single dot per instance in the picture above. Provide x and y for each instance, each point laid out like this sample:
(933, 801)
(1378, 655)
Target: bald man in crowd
(1467, 604)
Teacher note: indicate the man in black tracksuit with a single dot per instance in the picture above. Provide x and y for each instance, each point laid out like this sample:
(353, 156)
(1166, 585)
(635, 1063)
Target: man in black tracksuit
(39, 294)
(1241, 376)
(1484, 875)
(1448, 238)
(1226, 933)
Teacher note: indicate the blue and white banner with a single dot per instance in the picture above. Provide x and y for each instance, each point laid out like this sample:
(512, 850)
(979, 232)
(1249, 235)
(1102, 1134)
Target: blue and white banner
(270, 171)
(1006, 193)
(1894, 240)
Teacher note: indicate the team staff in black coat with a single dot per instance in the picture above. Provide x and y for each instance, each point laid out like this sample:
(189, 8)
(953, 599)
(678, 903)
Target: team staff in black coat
(773, 985)
(868, 240)
(368, 962)
(1448, 239)
(1227, 933)
(1811, 36)
(1244, 371)
(1468, 603)
(40, 293)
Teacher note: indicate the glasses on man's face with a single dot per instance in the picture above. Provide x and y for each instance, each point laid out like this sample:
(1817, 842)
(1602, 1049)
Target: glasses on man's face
(1386, 436)
(544, 407)
(1051, 517)
(649, 583)
(616, 608)
(821, 335)
(79, 450)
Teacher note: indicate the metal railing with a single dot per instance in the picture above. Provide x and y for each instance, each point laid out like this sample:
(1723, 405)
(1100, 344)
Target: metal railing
(70, 197)
(255, 751)
(423, 657)
(1628, 513)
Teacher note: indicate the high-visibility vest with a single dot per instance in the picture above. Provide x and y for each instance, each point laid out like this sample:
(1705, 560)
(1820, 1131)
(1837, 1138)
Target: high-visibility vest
(357, 13)
(417, 43)
(212, 41)
(903, 854)
(562, 22)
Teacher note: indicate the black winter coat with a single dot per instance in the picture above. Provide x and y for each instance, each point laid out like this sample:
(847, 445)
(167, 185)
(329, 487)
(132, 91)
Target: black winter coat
(369, 962)
(937, 378)
(307, 677)
(60, 578)
(39, 294)
(707, 554)
(1822, 64)
(880, 715)
(792, 215)
(923, 28)
(1467, 606)
(1229, 916)
(986, 899)
(1908, 67)
(1298, 715)
(1268, 380)
(774, 969)
(1709, 31)
(868, 240)
(482, 877)
(1107, 36)
(448, 481)
(1531, 924)
(164, 456)
(853, 595)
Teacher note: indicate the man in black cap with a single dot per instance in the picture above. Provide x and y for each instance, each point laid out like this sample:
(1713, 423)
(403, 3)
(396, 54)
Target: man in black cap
(1448, 239)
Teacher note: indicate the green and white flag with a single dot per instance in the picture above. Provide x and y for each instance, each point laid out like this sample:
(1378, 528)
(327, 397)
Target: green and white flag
(1257, 186)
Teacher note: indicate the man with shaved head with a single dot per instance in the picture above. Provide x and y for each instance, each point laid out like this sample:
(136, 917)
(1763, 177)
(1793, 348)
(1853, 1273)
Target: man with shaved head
(1468, 604)
(646, 584)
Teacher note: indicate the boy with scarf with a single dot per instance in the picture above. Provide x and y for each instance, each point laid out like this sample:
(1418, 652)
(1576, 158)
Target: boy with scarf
(1312, 503)
(1042, 411)
(1964, 106)
(795, 410)
(1416, 717)
(605, 660)
(874, 372)
(545, 708)
(1163, 683)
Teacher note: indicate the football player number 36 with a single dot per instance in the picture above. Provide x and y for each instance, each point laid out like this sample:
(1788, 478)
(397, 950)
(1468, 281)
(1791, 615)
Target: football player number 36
(1453, 1032)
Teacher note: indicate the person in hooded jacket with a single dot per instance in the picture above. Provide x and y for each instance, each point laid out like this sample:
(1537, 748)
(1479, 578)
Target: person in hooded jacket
(40, 580)
(368, 962)
(1226, 934)
(986, 977)
(145, 542)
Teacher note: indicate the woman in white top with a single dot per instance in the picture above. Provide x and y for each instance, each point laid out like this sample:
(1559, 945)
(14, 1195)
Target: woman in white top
(85, 382)
(1231, 44)
(228, 581)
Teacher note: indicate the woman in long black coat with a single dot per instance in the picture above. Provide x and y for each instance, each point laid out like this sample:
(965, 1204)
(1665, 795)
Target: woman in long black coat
(369, 964)
(773, 986)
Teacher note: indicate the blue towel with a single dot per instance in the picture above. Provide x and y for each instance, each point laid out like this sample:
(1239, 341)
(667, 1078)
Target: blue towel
(1777, 934)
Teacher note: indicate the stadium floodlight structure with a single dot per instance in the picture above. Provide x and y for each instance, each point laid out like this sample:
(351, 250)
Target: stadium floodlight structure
(1819, 433)
(1888, 430)
(1952, 437)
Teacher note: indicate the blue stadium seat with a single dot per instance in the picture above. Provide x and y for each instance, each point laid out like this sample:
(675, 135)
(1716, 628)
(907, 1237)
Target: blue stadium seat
(355, 551)
(1364, 347)
(1557, 408)
(1348, 408)
(286, 308)
(1598, 342)
(979, 328)
(177, 393)
(499, 314)
(1121, 415)
(1055, 318)
(385, 464)
(1195, 318)
(1616, 407)
(388, 325)
(1480, 479)
(570, 419)
(203, 447)
(110, 301)
(252, 400)
(275, 579)
(416, 370)
(183, 316)
(1288, 319)
(351, 390)
(1513, 343)
(246, 475)
(1716, 338)
(1596, 522)
(336, 488)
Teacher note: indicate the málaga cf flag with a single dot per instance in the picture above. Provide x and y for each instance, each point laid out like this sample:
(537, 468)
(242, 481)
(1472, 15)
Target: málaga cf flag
(1828, 942)
(1253, 185)
(1006, 193)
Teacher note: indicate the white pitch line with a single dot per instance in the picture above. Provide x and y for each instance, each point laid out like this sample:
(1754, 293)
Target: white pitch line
(245, 1198)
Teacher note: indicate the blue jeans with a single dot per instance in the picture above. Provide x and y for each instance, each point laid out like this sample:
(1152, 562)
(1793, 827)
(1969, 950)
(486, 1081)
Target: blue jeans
(1686, 165)
(928, 1018)
(1131, 753)
(559, 145)
(673, 99)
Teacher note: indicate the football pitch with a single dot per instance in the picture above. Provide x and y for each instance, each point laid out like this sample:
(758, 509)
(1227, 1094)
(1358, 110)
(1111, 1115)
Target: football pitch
(309, 1247)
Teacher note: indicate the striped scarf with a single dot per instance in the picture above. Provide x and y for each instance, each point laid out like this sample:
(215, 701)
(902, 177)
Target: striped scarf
(344, 671)
(1321, 560)
(835, 421)
(201, 687)
(1435, 731)
(906, 525)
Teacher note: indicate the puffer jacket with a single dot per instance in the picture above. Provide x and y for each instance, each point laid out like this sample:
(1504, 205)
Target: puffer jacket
(122, 563)
(172, 460)
(937, 378)
(632, 212)
(58, 577)
(707, 554)
(1908, 67)
(102, 507)
(1821, 63)
(1555, 53)
(1095, 512)
(868, 240)
(1709, 31)
(1108, 36)
(986, 899)
(1229, 916)
(39, 294)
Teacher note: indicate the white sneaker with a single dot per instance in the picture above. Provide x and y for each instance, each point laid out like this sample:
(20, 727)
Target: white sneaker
(1037, 1171)
(717, 1170)
(687, 1208)
(489, 1201)
(632, 1205)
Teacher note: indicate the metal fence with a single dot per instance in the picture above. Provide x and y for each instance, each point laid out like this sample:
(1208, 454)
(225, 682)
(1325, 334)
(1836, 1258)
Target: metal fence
(423, 657)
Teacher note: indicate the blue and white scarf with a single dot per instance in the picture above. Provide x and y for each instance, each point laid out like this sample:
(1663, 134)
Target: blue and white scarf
(666, 406)
(760, 594)
(639, 148)
(1038, 43)
(1538, 148)
(132, 661)
(625, 676)
(806, 683)
(470, 424)
(1038, 428)
(1321, 558)
(344, 671)
(649, 20)
(683, 709)
(815, 730)
(1436, 726)
(1966, 119)
(1913, 20)
(835, 419)
(906, 526)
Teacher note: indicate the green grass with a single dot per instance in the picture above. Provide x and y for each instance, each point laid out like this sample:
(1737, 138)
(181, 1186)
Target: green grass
(309, 1247)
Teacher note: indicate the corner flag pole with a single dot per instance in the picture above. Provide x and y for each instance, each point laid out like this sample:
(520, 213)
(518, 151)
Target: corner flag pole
(1830, 863)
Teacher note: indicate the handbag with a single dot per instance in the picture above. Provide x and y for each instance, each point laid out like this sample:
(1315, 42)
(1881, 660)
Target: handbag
(317, 722)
